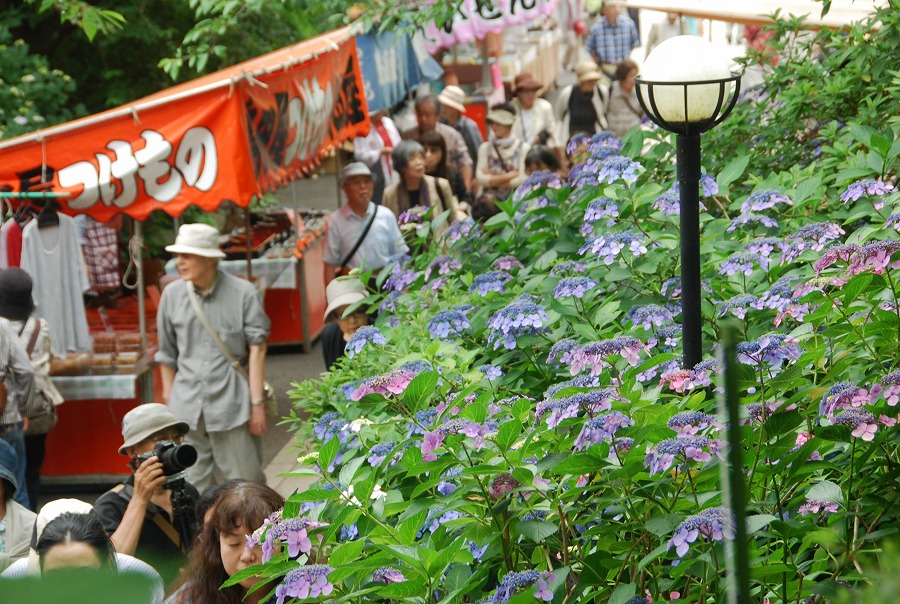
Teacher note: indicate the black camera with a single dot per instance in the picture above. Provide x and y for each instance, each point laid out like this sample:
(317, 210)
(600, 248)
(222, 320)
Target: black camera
(174, 458)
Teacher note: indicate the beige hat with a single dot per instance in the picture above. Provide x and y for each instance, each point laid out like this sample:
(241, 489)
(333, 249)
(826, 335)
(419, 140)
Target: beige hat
(343, 291)
(524, 81)
(198, 239)
(585, 66)
(453, 97)
(589, 76)
(354, 168)
(502, 117)
(145, 420)
(51, 511)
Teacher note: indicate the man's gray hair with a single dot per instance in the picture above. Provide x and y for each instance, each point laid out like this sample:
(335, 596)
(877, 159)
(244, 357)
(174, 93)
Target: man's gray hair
(429, 99)
(404, 152)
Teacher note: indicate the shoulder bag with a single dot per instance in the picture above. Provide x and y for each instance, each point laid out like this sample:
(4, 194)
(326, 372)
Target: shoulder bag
(359, 241)
(41, 413)
(269, 399)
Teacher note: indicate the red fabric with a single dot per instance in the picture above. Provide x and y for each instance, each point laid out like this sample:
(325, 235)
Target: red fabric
(14, 245)
(385, 138)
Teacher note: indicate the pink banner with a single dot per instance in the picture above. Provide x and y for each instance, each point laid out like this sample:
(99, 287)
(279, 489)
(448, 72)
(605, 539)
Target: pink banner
(475, 19)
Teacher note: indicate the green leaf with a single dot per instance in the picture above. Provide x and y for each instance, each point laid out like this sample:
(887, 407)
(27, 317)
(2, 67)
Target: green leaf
(663, 524)
(732, 171)
(826, 491)
(328, 452)
(659, 551)
(405, 589)
(419, 390)
(581, 463)
(537, 530)
(623, 593)
(313, 495)
(545, 260)
(755, 523)
(407, 530)
(346, 552)
(508, 433)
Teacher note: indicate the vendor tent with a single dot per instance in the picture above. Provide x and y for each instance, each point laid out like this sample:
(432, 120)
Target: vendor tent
(392, 68)
(229, 136)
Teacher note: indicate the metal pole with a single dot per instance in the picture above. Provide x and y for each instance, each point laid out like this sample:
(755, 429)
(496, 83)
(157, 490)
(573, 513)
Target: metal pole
(687, 152)
(738, 581)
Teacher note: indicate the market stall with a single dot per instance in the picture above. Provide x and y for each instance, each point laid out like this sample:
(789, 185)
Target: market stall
(227, 136)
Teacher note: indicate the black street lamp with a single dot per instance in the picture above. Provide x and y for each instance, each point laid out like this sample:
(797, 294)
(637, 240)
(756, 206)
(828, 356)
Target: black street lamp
(684, 88)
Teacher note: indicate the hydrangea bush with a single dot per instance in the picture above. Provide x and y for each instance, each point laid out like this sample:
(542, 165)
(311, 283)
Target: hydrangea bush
(524, 431)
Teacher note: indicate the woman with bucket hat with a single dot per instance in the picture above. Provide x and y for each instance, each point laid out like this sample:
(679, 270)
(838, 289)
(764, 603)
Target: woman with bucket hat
(33, 335)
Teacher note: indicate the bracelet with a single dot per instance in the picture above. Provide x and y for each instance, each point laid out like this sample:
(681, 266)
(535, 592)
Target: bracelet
(258, 401)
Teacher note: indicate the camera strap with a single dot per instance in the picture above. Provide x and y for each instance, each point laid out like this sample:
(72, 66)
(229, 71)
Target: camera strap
(236, 364)
(166, 527)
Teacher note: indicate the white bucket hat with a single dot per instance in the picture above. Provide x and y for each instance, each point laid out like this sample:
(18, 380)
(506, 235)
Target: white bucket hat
(453, 97)
(51, 511)
(343, 291)
(355, 168)
(198, 239)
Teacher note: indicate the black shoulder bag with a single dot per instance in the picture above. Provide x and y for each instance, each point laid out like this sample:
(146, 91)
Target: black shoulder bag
(359, 241)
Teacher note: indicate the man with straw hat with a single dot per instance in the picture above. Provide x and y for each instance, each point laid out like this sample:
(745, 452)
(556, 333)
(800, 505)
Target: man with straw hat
(453, 111)
(207, 311)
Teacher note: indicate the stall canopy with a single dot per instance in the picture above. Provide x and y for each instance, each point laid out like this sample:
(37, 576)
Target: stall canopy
(391, 67)
(229, 136)
(475, 19)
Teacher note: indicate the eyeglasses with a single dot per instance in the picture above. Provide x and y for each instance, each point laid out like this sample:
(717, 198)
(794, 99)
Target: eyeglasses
(175, 437)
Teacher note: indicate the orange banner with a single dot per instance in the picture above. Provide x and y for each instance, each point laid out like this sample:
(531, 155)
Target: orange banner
(222, 137)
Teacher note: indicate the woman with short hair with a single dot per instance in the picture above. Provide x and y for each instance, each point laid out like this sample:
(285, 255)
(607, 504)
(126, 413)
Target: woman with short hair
(416, 188)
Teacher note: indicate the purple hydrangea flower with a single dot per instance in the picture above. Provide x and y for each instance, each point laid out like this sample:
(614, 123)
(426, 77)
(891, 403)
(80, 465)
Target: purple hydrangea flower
(507, 263)
(522, 317)
(841, 396)
(648, 315)
(576, 141)
(388, 574)
(583, 176)
(379, 452)
(491, 281)
(459, 229)
(666, 336)
(742, 262)
(739, 305)
(772, 349)
(568, 268)
(843, 252)
(542, 179)
(681, 380)
(690, 423)
(579, 381)
(863, 423)
(809, 237)
(491, 372)
(669, 203)
(605, 140)
(513, 583)
(607, 246)
(562, 351)
(763, 200)
(592, 402)
(698, 448)
(327, 426)
(542, 589)
(600, 208)
(742, 220)
(764, 246)
(291, 531)
(876, 256)
(709, 185)
(363, 336)
(867, 187)
(309, 581)
(399, 279)
(569, 287)
(779, 296)
(594, 355)
(442, 265)
(714, 524)
(430, 442)
(817, 507)
(891, 391)
(616, 167)
(603, 427)
(436, 285)
(447, 322)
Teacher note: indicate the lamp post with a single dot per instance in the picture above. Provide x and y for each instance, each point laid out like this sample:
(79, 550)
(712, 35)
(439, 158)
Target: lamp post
(685, 89)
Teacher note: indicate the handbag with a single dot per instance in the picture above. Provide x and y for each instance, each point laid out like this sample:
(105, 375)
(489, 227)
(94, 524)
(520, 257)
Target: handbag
(41, 413)
(270, 401)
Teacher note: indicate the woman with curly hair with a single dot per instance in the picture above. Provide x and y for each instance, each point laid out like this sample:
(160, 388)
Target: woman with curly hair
(220, 549)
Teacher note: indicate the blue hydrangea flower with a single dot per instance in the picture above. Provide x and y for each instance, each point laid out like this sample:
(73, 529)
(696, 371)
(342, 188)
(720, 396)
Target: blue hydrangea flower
(379, 452)
(689, 423)
(399, 279)
(600, 208)
(764, 246)
(601, 428)
(447, 322)
(709, 185)
(713, 524)
(738, 305)
(772, 349)
(576, 287)
(576, 141)
(608, 246)
(459, 229)
(763, 200)
(491, 372)
(616, 167)
(562, 351)
(361, 337)
(568, 268)
(742, 220)
(388, 574)
(669, 203)
(579, 381)
(648, 315)
(513, 583)
(779, 296)
(542, 179)
(592, 402)
(658, 459)
(442, 265)
(507, 263)
(522, 317)
(309, 581)
(809, 237)
(603, 142)
(867, 187)
(491, 281)
(742, 262)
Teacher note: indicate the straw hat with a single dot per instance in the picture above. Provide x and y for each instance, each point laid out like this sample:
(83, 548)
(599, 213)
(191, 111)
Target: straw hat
(504, 117)
(589, 76)
(343, 291)
(453, 97)
(198, 239)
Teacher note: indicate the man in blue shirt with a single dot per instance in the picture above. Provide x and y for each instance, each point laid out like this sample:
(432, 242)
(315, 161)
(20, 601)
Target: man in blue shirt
(612, 39)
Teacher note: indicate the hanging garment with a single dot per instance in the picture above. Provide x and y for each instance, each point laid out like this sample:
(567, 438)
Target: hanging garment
(54, 260)
(10, 244)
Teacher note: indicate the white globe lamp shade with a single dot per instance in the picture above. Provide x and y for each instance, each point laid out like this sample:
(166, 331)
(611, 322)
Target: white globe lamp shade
(681, 60)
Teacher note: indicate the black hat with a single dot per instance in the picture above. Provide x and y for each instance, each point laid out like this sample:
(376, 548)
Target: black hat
(15, 294)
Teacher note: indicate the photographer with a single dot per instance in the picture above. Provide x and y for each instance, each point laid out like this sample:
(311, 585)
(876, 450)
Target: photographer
(151, 514)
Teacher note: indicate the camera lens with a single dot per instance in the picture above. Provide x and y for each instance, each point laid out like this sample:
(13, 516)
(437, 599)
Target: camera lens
(175, 458)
